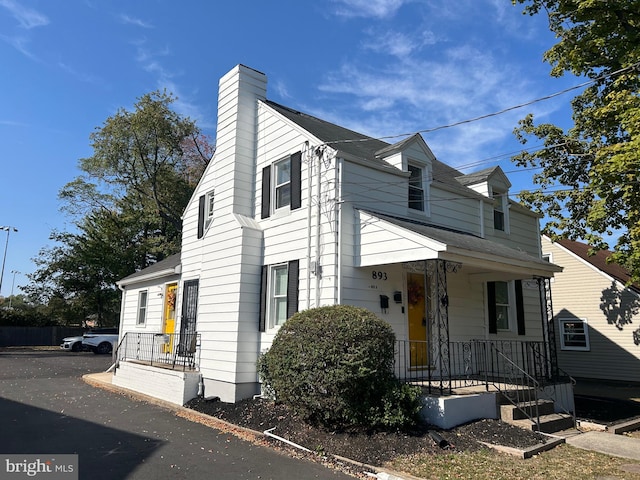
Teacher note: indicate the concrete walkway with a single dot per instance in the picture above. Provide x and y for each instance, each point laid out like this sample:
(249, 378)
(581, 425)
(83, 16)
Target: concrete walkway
(607, 443)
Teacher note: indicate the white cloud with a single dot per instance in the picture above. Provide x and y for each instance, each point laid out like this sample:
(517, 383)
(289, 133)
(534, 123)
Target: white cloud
(368, 8)
(27, 17)
(399, 44)
(135, 21)
(151, 61)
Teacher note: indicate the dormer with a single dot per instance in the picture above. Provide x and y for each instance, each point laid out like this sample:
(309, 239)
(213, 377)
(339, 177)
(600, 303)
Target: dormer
(413, 155)
(494, 184)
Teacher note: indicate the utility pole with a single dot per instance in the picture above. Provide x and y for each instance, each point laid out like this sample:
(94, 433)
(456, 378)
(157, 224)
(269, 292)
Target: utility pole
(4, 257)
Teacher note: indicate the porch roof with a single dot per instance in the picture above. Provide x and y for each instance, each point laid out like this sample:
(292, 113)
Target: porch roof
(385, 239)
(167, 267)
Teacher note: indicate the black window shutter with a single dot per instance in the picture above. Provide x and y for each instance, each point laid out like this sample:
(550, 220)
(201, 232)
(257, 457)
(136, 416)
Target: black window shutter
(266, 192)
(491, 302)
(296, 180)
(292, 287)
(263, 299)
(519, 307)
(201, 202)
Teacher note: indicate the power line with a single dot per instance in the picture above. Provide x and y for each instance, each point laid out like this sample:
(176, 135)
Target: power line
(499, 112)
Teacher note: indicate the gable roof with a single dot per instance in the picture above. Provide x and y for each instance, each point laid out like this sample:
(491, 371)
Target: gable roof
(364, 147)
(483, 176)
(599, 261)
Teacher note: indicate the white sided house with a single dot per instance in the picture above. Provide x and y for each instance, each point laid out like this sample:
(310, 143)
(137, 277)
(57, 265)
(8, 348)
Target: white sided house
(596, 313)
(294, 212)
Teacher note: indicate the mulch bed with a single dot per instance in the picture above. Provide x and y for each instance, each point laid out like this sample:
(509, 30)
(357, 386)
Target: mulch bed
(372, 448)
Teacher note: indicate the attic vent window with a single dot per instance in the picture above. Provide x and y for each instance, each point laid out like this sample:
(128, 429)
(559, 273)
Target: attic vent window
(416, 188)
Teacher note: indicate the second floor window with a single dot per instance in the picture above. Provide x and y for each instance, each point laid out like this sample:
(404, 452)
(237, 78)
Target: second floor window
(416, 188)
(209, 208)
(500, 211)
(282, 185)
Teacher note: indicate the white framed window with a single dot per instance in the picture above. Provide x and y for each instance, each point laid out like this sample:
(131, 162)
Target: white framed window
(278, 295)
(142, 307)
(501, 210)
(574, 334)
(209, 209)
(416, 188)
(282, 183)
(504, 308)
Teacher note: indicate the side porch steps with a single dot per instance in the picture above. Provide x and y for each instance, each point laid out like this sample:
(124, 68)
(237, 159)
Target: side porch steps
(522, 412)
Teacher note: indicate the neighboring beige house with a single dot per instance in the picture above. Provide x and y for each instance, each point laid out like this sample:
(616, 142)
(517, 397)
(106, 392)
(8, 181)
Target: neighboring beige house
(294, 212)
(596, 313)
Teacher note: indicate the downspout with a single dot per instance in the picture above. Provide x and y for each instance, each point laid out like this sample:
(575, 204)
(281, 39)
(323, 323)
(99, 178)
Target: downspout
(309, 198)
(337, 300)
(319, 152)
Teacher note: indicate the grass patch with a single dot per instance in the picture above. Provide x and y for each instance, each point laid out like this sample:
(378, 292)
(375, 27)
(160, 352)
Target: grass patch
(560, 463)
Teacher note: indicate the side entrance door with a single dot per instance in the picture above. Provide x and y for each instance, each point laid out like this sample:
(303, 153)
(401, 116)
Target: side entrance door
(417, 318)
(169, 321)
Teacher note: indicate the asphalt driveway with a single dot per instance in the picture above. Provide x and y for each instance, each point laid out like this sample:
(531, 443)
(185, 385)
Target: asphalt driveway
(46, 408)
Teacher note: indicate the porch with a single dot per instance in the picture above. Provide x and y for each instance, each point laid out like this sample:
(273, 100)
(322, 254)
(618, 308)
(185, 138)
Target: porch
(467, 380)
(164, 366)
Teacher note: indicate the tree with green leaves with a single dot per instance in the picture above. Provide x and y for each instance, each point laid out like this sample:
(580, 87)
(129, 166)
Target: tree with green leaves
(589, 179)
(127, 207)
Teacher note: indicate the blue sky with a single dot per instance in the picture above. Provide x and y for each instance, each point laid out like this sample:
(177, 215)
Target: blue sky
(382, 67)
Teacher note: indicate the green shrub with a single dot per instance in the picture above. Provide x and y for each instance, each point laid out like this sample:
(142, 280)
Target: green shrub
(334, 367)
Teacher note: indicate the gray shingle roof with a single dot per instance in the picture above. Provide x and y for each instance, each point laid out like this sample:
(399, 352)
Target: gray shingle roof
(362, 146)
(168, 263)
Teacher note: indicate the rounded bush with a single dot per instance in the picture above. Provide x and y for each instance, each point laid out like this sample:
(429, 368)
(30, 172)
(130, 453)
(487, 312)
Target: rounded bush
(334, 367)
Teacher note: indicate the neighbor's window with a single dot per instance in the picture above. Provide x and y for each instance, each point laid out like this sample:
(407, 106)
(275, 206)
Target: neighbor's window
(574, 334)
(142, 307)
(416, 188)
(282, 187)
(279, 281)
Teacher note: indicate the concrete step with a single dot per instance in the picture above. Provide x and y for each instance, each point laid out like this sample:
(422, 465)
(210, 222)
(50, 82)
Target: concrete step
(509, 397)
(551, 423)
(525, 410)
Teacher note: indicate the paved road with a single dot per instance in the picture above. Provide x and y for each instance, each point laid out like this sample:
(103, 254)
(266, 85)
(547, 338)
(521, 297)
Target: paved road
(46, 408)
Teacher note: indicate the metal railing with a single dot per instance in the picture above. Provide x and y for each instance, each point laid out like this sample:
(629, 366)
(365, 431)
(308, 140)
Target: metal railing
(520, 370)
(469, 363)
(173, 350)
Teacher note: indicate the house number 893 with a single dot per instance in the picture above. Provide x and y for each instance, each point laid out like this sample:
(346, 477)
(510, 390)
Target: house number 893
(379, 275)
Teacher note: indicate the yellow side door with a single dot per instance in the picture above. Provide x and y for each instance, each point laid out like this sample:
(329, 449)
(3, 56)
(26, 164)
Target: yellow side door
(417, 318)
(169, 322)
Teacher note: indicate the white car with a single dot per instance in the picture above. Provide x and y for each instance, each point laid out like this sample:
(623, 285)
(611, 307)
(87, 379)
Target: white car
(101, 340)
(72, 344)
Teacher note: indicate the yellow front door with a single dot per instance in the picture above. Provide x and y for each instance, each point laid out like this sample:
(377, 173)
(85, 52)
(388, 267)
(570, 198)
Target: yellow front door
(417, 317)
(169, 322)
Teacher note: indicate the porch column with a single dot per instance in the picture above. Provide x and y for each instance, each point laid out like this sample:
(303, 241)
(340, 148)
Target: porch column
(548, 325)
(438, 311)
